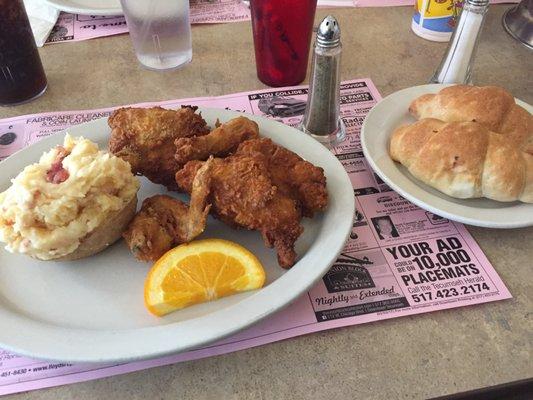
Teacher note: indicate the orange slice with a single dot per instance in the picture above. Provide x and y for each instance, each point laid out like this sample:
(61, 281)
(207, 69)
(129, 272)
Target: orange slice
(200, 271)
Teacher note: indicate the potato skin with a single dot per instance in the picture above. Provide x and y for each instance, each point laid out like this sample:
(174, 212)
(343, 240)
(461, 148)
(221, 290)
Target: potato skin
(105, 235)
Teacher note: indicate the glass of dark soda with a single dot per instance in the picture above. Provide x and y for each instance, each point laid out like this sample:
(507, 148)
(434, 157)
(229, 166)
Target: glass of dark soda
(282, 34)
(22, 76)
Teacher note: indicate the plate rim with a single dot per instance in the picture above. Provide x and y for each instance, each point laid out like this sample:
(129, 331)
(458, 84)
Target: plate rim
(429, 88)
(239, 316)
(112, 11)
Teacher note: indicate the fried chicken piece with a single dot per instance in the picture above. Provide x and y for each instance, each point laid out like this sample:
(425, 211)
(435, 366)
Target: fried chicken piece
(243, 195)
(296, 178)
(220, 142)
(145, 137)
(164, 222)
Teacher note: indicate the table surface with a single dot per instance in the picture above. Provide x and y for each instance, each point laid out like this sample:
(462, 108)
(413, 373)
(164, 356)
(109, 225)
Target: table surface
(409, 358)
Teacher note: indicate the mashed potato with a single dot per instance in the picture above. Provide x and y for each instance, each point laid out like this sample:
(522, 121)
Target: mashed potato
(53, 204)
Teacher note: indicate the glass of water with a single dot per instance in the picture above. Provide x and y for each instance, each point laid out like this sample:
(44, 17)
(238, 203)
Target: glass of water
(160, 31)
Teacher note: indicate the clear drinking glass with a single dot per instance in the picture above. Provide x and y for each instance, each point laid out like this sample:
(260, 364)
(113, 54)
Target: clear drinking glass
(160, 31)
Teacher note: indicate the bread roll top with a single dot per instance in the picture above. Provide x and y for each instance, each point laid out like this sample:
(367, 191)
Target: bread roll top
(464, 160)
(491, 106)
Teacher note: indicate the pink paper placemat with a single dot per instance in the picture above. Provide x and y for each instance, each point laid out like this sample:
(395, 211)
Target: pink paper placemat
(424, 263)
(75, 27)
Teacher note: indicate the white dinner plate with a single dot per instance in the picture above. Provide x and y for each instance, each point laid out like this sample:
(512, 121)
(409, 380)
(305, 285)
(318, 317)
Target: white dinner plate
(88, 7)
(377, 129)
(92, 309)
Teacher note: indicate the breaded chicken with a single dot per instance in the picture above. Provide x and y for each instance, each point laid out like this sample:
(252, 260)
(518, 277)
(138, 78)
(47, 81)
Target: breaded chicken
(145, 137)
(243, 195)
(220, 142)
(296, 178)
(164, 222)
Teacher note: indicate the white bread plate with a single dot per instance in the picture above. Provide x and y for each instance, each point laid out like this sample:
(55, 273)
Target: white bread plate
(382, 120)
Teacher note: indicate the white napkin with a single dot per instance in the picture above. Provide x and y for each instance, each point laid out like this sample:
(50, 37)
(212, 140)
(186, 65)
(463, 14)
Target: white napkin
(42, 18)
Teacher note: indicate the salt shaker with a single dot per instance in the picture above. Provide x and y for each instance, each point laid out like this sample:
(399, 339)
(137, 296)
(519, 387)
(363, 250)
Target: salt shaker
(322, 113)
(456, 65)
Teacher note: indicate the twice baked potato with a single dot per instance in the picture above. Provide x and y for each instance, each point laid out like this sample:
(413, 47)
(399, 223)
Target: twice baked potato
(73, 203)
(104, 235)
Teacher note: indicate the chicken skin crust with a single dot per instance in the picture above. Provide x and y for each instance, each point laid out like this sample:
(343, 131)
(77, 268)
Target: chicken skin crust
(296, 178)
(145, 138)
(164, 222)
(243, 195)
(220, 142)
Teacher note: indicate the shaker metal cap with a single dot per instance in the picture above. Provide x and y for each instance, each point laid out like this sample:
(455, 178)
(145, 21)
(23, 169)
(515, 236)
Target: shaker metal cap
(329, 32)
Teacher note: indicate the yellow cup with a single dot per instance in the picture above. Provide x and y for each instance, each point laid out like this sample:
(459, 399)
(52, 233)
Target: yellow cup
(436, 19)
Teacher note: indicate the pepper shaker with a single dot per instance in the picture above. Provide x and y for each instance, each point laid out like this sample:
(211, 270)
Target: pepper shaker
(322, 113)
(456, 65)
